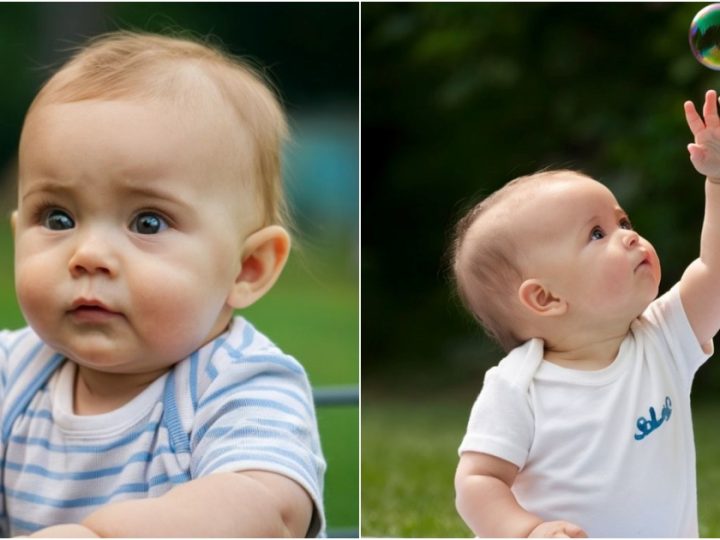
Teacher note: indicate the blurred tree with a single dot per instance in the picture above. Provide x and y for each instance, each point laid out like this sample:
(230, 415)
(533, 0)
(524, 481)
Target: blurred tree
(460, 98)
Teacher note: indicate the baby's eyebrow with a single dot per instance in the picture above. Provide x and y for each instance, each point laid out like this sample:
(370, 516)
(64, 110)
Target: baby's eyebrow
(619, 212)
(148, 192)
(47, 187)
(155, 193)
(592, 221)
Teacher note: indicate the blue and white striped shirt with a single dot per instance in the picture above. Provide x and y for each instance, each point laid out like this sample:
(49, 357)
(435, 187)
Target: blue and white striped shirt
(238, 403)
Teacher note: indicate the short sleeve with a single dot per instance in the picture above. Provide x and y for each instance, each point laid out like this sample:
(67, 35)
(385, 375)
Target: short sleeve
(501, 421)
(665, 319)
(258, 414)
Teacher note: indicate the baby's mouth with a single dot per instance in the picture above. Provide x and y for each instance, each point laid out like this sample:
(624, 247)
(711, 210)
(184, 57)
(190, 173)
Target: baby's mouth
(91, 311)
(644, 262)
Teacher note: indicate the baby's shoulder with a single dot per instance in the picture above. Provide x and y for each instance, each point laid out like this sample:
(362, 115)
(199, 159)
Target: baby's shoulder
(239, 373)
(242, 357)
(10, 338)
(20, 346)
(518, 368)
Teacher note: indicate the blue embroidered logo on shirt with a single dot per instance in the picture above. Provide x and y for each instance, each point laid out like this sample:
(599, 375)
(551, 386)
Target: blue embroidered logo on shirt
(647, 426)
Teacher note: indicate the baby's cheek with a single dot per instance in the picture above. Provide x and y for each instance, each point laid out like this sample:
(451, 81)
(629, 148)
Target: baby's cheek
(656, 267)
(34, 292)
(612, 284)
(177, 312)
(616, 277)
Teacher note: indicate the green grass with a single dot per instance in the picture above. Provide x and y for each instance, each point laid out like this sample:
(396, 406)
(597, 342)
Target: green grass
(312, 313)
(707, 451)
(408, 462)
(340, 432)
(409, 454)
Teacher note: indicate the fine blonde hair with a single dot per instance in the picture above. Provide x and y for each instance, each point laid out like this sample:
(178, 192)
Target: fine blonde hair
(127, 64)
(487, 274)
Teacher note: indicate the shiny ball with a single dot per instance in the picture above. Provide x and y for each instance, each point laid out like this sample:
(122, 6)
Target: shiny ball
(705, 36)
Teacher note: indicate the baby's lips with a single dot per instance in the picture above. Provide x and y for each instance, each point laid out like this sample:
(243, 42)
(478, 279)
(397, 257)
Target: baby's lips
(646, 259)
(91, 303)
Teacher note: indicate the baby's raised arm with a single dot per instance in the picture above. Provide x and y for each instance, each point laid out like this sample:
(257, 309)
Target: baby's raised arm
(485, 502)
(700, 284)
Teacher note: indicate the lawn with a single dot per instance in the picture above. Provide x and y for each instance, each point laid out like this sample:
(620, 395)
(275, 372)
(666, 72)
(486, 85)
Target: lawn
(312, 313)
(409, 454)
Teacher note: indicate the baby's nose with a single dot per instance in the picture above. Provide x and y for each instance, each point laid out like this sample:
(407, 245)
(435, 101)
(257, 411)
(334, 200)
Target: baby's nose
(630, 239)
(93, 254)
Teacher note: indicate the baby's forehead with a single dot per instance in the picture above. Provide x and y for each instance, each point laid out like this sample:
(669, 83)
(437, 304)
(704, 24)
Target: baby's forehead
(531, 209)
(577, 192)
(562, 208)
(132, 141)
(145, 126)
(190, 89)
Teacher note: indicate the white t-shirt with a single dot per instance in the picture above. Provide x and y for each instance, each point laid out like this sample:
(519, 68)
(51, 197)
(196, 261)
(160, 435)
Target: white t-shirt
(610, 450)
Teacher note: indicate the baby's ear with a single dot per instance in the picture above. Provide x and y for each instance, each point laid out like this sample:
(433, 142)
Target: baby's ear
(539, 299)
(13, 221)
(263, 258)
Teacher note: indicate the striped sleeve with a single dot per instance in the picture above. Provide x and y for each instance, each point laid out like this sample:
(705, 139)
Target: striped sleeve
(257, 414)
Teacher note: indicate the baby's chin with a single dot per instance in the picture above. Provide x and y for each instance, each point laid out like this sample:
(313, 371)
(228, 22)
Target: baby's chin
(644, 307)
(108, 356)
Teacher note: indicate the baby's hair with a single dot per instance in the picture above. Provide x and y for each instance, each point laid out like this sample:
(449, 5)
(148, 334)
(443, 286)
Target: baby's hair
(487, 273)
(191, 73)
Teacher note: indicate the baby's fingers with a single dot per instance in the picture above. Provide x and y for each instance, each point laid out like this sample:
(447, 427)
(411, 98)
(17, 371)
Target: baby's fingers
(695, 123)
(710, 109)
(697, 152)
(557, 529)
(573, 531)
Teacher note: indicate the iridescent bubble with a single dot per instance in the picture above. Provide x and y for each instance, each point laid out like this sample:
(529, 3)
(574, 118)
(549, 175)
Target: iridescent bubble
(705, 36)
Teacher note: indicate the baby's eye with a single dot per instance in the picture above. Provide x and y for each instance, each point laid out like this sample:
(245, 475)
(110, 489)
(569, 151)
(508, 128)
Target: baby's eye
(57, 220)
(597, 234)
(625, 224)
(148, 223)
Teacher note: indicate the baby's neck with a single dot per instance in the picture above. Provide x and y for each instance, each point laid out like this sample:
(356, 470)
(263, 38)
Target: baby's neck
(96, 392)
(588, 355)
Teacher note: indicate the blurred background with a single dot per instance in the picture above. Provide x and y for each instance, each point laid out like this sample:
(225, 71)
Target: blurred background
(458, 99)
(310, 52)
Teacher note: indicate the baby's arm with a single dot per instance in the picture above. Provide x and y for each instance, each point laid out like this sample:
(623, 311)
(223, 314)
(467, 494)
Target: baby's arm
(70, 530)
(240, 504)
(700, 284)
(485, 502)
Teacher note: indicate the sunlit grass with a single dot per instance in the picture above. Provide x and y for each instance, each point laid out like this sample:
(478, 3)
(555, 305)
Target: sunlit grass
(409, 454)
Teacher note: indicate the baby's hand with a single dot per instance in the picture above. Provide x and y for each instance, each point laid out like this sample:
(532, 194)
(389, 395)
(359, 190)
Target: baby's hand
(557, 529)
(705, 152)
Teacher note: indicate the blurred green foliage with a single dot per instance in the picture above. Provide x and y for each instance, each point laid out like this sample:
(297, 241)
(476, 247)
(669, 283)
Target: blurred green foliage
(460, 98)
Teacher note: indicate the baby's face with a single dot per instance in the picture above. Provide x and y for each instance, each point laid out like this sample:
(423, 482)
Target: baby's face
(580, 242)
(127, 237)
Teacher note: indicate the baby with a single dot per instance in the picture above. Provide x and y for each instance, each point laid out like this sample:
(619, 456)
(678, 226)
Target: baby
(149, 208)
(584, 428)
